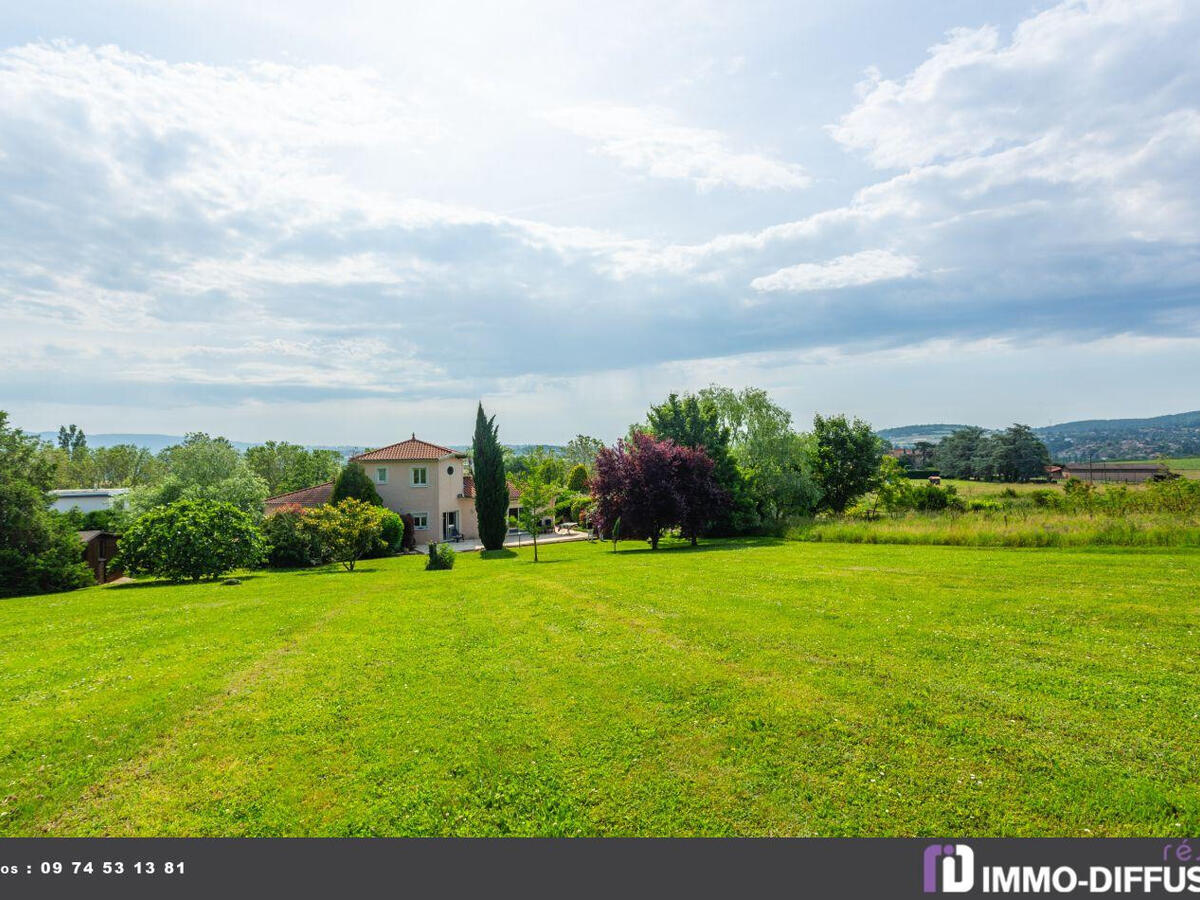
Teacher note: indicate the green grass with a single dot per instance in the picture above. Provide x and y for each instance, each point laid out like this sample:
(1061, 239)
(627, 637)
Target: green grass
(1019, 527)
(759, 687)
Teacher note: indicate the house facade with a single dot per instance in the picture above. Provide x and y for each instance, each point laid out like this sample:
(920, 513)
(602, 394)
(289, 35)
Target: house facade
(429, 482)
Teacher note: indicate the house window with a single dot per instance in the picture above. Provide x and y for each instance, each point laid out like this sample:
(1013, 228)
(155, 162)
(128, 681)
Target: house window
(421, 521)
(449, 470)
(381, 475)
(420, 476)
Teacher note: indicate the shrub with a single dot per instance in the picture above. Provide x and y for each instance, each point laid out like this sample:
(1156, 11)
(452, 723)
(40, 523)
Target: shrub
(345, 531)
(353, 483)
(190, 539)
(580, 507)
(39, 551)
(292, 546)
(441, 556)
(931, 498)
(1044, 497)
(392, 531)
(578, 479)
(922, 473)
(409, 542)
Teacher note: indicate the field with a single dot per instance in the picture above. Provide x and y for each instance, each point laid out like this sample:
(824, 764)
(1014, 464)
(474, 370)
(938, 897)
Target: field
(754, 687)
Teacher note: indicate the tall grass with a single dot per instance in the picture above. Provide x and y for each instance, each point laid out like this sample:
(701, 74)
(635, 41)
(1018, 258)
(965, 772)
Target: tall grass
(999, 529)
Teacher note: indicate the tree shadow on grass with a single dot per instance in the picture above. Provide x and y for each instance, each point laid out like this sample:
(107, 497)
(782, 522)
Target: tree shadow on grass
(498, 554)
(162, 582)
(333, 570)
(714, 546)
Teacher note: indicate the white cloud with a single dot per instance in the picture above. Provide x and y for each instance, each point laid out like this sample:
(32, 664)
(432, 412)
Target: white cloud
(855, 270)
(649, 141)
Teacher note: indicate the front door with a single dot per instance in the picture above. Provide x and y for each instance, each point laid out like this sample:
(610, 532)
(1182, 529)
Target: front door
(449, 523)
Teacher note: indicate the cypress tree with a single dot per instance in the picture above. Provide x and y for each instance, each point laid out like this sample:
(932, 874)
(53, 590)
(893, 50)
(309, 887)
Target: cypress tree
(354, 482)
(491, 487)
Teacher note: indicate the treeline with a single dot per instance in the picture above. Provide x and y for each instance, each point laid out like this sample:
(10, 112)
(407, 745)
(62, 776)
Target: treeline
(1014, 454)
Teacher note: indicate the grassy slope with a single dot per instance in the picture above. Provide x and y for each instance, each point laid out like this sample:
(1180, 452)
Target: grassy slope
(756, 688)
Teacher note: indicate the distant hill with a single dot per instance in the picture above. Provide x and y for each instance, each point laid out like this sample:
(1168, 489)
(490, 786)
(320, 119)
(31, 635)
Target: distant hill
(907, 435)
(1173, 435)
(155, 443)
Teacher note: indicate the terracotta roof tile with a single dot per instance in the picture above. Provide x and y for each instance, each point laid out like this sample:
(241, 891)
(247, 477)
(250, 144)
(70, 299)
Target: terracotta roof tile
(313, 496)
(413, 448)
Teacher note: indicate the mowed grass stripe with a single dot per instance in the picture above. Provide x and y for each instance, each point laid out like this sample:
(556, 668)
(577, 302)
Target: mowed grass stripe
(745, 689)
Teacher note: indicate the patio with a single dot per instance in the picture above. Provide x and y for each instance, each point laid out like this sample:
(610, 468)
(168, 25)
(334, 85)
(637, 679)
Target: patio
(514, 540)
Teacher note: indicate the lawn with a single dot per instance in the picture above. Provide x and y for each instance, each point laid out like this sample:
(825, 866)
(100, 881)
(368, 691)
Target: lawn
(748, 688)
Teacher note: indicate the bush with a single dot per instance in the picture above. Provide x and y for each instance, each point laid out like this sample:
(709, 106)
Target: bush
(39, 550)
(292, 546)
(190, 539)
(579, 508)
(409, 542)
(931, 498)
(345, 531)
(353, 483)
(922, 473)
(392, 532)
(441, 556)
(578, 479)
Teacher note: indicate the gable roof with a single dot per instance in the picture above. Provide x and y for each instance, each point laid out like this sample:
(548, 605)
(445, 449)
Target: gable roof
(413, 448)
(312, 496)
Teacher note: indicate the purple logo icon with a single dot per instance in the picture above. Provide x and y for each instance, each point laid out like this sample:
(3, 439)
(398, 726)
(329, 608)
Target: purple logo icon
(940, 860)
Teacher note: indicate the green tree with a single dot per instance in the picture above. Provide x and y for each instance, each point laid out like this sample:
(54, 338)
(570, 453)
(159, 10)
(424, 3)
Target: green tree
(695, 421)
(39, 551)
(491, 485)
(126, 465)
(774, 460)
(962, 454)
(290, 467)
(72, 440)
(891, 485)
(537, 499)
(582, 450)
(577, 480)
(845, 458)
(203, 468)
(346, 530)
(353, 482)
(1018, 454)
(191, 539)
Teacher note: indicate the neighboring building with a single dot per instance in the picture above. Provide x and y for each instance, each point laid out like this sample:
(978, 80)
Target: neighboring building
(1124, 473)
(85, 499)
(313, 496)
(425, 480)
(99, 547)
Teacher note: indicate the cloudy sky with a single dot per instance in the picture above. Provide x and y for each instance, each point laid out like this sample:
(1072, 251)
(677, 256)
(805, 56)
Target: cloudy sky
(339, 227)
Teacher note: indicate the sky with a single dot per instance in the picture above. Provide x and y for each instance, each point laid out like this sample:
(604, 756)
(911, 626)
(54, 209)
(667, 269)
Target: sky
(343, 223)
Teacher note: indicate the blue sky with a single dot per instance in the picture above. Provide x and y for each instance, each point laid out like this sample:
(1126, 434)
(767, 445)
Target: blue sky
(282, 220)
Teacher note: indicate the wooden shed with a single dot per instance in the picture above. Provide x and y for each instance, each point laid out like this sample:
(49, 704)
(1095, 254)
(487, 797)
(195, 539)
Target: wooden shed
(99, 547)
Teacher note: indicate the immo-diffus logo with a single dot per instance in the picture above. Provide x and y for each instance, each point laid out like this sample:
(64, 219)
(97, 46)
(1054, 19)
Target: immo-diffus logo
(949, 868)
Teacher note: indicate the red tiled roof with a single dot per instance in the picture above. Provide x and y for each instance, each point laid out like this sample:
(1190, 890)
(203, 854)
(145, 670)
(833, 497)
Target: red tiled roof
(413, 448)
(313, 496)
(468, 491)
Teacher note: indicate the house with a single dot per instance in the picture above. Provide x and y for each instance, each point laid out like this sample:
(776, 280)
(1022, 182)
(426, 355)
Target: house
(86, 500)
(313, 496)
(99, 547)
(429, 482)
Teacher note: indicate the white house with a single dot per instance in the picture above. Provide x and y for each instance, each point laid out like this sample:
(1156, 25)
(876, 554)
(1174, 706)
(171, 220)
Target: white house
(85, 499)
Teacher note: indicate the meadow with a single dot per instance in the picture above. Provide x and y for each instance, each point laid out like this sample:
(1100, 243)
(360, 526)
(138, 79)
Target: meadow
(753, 687)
